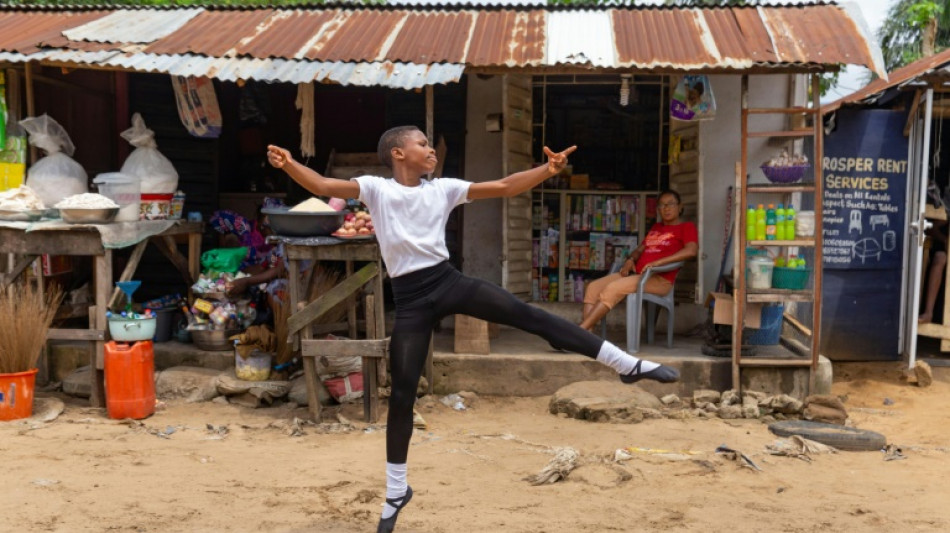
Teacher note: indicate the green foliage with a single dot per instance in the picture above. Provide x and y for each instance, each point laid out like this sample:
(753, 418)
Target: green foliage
(901, 34)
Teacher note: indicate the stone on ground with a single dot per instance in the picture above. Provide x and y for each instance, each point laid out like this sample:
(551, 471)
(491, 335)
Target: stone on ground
(602, 401)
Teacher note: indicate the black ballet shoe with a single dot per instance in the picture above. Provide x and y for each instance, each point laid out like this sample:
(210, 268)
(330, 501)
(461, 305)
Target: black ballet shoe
(386, 525)
(662, 373)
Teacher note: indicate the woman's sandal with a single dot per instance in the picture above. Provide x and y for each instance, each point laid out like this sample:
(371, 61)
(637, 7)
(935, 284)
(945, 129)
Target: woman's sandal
(386, 525)
(662, 373)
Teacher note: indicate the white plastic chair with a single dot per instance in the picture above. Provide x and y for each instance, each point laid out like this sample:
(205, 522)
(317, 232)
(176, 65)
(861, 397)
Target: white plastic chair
(635, 304)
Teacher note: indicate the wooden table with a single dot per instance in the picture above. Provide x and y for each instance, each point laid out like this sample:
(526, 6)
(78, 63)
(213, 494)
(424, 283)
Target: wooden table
(368, 282)
(85, 240)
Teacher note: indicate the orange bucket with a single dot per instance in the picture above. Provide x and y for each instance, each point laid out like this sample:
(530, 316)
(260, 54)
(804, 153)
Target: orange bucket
(16, 395)
(130, 379)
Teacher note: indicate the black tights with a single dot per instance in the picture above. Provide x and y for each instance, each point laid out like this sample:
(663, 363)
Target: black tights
(425, 297)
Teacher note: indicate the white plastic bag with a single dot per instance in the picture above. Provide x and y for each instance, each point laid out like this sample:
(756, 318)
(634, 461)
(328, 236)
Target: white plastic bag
(57, 175)
(154, 171)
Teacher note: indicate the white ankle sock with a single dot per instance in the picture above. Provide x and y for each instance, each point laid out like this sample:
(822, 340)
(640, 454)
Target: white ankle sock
(395, 486)
(620, 360)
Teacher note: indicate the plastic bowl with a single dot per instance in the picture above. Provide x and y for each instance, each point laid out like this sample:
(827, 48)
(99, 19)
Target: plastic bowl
(88, 216)
(784, 174)
(302, 223)
(213, 340)
(132, 329)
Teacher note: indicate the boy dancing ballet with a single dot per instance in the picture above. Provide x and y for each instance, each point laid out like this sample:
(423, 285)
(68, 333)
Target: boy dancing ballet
(409, 216)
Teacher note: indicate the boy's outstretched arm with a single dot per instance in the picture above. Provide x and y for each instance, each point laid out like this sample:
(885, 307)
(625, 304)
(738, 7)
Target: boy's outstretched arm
(520, 182)
(310, 179)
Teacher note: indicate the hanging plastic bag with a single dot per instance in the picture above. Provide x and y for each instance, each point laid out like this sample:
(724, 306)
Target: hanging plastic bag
(155, 172)
(693, 99)
(57, 175)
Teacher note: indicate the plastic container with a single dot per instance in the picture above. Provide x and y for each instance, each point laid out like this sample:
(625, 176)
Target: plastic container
(790, 223)
(155, 206)
(123, 190)
(780, 223)
(758, 272)
(770, 332)
(760, 223)
(213, 340)
(16, 395)
(795, 279)
(770, 223)
(129, 379)
(750, 224)
(256, 367)
(164, 324)
(805, 224)
(132, 329)
(177, 206)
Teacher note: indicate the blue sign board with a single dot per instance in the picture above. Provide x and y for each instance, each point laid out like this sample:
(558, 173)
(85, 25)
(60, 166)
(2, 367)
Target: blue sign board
(865, 182)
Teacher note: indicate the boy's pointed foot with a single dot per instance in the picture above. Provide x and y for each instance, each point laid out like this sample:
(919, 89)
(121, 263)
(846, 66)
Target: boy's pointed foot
(387, 525)
(662, 373)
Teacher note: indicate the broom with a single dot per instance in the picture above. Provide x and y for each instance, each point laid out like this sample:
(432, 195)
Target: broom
(25, 318)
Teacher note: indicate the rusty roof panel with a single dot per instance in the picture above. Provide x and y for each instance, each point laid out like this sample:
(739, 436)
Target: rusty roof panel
(27, 32)
(432, 37)
(359, 35)
(662, 37)
(213, 33)
(818, 34)
(288, 34)
(740, 35)
(507, 38)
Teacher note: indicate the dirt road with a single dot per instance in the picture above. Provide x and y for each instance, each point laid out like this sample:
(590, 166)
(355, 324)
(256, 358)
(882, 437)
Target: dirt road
(83, 472)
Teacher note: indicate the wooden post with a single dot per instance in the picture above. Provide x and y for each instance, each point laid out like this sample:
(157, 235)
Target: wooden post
(351, 304)
(471, 335)
(309, 365)
(370, 376)
(103, 284)
(194, 259)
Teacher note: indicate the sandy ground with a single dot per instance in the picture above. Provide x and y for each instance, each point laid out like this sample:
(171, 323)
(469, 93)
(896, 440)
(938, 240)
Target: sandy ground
(83, 472)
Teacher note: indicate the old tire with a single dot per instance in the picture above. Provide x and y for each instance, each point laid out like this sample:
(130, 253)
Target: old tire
(841, 437)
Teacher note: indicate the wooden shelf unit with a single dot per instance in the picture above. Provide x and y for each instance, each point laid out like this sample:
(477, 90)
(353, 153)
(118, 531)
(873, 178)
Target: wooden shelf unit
(744, 295)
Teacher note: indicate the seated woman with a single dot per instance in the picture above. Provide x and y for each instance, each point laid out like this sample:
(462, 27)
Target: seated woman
(669, 240)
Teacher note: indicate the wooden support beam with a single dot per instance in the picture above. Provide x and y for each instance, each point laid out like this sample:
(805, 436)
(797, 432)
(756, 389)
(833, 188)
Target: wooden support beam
(170, 249)
(128, 272)
(345, 348)
(15, 271)
(330, 299)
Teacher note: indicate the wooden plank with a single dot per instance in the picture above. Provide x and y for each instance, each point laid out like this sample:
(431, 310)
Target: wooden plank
(772, 297)
(75, 242)
(782, 110)
(774, 362)
(14, 272)
(370, 366)
(344, 348)
(805, 330)
(796, 242)
(784, 134)
(75, 335)
(351, 304)
(471, 335)
(937, 331)
(194, 257)
(366, 251)
(779, 188)
(103, 288)
(330, 299)
(170, 250)
(128, 271)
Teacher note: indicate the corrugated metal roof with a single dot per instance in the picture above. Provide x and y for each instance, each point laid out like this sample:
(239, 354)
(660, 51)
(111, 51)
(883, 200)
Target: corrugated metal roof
(537, 39)
(899, 77)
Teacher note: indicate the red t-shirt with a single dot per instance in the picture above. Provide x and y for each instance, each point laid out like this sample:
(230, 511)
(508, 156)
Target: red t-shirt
(663, 241)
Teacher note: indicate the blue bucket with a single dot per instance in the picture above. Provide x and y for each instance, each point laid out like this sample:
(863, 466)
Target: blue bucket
(771, 330)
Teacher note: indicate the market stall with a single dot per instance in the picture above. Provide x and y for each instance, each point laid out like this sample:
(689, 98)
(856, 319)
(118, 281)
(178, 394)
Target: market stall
(366, 282)
(28, 240)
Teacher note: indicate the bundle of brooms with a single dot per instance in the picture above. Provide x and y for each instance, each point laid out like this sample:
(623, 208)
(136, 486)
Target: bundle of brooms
(323, 280)
(25, 318)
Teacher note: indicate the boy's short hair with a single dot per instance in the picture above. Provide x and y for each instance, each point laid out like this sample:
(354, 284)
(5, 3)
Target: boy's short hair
(392, 138)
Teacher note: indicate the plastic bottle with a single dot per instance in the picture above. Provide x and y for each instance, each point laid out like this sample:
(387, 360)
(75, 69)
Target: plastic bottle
(790, 223)
(792, 262)
(750, 224)
(770, 223)
(251, 313)
(780, 223)
(780, 261)
(760, 223)
(801, 263)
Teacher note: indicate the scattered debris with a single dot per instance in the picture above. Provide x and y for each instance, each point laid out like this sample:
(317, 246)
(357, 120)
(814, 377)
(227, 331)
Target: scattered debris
(737, 456)
(558, 468)
(893, 453)
(888, 401)
(925, 375)
(798, 447)
(454, 401)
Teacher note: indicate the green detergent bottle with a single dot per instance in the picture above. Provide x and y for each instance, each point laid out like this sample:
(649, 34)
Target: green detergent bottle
(780, 223)
(790, 223)
(770, 223)
(760, 223)
(750, 223)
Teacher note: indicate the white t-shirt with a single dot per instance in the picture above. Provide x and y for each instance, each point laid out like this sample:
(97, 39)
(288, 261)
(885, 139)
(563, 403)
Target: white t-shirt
(410, 221)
